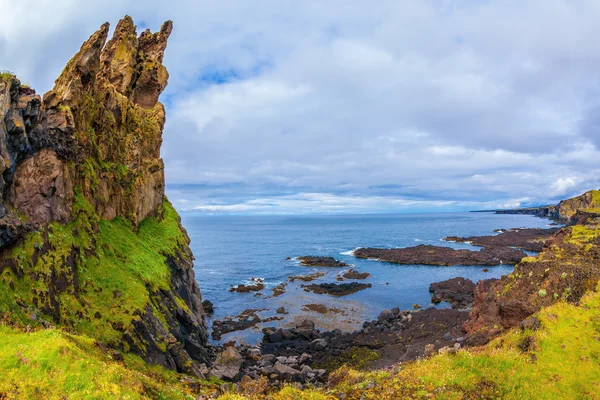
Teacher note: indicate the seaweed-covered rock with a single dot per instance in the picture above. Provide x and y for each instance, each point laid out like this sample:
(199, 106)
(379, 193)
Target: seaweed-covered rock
(318, 261)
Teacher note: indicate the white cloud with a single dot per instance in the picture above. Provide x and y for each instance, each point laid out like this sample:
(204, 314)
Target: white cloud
(473, 102)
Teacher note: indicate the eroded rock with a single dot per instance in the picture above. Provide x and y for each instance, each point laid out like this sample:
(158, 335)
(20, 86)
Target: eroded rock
(335, 289)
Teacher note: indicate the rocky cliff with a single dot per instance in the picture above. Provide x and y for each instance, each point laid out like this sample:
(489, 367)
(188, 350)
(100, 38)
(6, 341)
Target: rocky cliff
(88, 240)
(567, 268)
(569, 211)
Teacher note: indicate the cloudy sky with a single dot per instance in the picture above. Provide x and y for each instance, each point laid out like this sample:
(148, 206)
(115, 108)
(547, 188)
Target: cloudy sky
(279, 106)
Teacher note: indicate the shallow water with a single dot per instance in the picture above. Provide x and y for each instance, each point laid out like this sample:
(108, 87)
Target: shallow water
(231, 249)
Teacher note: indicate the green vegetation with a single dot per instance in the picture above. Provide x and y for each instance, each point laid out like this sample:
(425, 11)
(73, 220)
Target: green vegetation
(355, 357)
(50, 364)
(5, 76)
(560, 360)
(108, 271)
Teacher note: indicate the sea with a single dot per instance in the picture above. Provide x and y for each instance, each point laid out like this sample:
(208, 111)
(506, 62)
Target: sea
(230, 250)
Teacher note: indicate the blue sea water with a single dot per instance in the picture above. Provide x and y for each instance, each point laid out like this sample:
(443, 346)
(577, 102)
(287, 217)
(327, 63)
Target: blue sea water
(232, 249)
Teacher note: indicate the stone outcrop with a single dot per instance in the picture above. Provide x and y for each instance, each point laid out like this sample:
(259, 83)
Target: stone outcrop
(89, 152)
(443, 256)
(42, 188)
(565, 270)
(457, 291)
(532, 239)
(318, 261)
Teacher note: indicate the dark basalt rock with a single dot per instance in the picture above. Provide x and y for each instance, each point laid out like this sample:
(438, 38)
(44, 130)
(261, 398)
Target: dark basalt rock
(458, 291)
(241, 288)
(246, 319)
(532, 239)
(299, 354)
(335, 289)
(316, 261)
(354, 274)
(443, 256)
(208, 307)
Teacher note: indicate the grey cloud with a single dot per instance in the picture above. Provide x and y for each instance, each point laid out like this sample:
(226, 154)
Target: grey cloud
(362, 104)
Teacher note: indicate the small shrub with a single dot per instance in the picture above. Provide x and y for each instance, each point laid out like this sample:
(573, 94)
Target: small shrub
(5, 76)
(542, 293)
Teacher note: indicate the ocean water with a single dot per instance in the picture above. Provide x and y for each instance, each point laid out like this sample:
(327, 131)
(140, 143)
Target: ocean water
(232, 249)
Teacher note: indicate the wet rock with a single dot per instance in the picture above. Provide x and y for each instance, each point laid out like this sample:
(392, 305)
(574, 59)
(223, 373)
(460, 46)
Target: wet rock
(443, 256)
(276, 336)
(532, 239)
(306, 324)
(208, 307)
(321, 309)
(334, 289)
(281, 310)
(241, 288)
(246, 319)
(354, 274)
(460, 292)
(317, 261)
(386, 315)
(279, 289)
(306, 278)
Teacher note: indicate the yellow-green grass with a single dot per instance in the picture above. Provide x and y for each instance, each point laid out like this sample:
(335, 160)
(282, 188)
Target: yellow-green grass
(5, 76)
(117, 270)
(51, 364)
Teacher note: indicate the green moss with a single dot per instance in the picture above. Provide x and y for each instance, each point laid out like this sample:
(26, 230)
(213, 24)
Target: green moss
(355, 357)
(116, 271)
(558, 361)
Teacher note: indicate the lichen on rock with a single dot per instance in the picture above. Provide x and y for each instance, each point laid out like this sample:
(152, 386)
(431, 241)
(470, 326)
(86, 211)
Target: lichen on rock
(88, 240)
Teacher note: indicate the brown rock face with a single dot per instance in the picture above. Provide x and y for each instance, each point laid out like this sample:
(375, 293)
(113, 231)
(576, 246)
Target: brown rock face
(42, 188)
(103, 115)
(443, 256)
(107, 98)
(95, 138)
(565, 270)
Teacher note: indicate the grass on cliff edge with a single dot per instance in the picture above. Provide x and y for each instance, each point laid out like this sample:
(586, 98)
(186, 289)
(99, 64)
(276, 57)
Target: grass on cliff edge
(50, 364)
(115, 281)
(561, 360)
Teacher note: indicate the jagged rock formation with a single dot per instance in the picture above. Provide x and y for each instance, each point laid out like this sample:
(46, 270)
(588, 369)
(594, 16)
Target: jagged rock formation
(87, 238)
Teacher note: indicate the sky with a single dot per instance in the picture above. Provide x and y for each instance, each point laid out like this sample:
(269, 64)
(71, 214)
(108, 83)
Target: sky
(312, 106)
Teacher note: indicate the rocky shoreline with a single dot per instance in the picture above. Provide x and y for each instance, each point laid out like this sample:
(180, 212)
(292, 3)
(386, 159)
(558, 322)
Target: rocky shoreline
(305, 355)
(443, 256)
